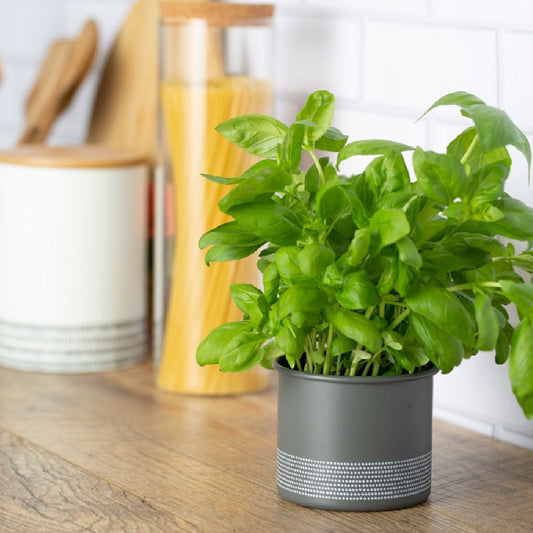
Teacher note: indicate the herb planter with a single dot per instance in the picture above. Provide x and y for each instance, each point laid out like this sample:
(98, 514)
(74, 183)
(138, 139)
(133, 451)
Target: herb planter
(369, 280)
(354, 443)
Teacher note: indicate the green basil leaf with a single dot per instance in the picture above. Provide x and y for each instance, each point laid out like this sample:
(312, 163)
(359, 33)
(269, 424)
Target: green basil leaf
(223, 181)
(440, 176)
(521, 294)
(251, 301)
(271, 282)
(487, 213)
(458, 211)
(255, 169)
(521, 365)
(314, 258)
(319, 108)
(370, 147)
(443, 350)
(395, 200)
(306, 320)
(359, 247)
(332, 141)
(390, 225)
(290, 340)
(359, 215)
(517, 222)
(459, 98)
(230, 233)
(331, 200)
(404, 278)
(288, 265)
(494, 127)
(523, 261)
(269, 352)
(477, 240)
(448, 258)
(356, 327)
(242, 352)
(333, 276)
(301, 299)
(269, 180)
(476, 159)
(496, 130)
(408, 253)
(268, 219)
(226, 252)
(412, 355)
(307, 122)
(291, 149)
(342, 344)
(312, 179)
(388, 276)
(396, 173)
(487, 322)
(444, 309)
(212, 347)
(358, 291)
(487, 184)
(503, 347)
(259, 135)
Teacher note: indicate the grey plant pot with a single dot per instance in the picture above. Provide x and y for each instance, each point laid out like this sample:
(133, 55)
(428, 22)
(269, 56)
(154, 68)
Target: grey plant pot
(354, 443)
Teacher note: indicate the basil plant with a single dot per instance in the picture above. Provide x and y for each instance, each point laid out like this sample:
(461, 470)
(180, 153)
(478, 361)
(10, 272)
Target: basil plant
(378, 273)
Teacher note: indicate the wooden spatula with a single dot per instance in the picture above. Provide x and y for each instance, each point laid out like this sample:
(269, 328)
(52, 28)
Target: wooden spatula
(65, 67)
(125, 109)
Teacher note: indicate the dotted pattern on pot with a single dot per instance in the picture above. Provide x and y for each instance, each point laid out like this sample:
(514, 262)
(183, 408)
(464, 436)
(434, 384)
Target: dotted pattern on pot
(72, 348)
(348, 481)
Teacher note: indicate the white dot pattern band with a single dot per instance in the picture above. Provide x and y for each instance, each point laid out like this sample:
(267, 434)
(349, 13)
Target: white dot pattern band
(362, 481)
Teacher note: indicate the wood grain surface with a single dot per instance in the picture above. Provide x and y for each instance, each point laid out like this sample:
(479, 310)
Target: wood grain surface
(110, 452)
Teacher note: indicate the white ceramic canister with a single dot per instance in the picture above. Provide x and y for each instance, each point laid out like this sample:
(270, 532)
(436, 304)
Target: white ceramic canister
(73, 258)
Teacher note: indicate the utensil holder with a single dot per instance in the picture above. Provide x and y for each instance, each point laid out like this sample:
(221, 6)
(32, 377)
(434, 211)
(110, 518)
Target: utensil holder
(73, 261)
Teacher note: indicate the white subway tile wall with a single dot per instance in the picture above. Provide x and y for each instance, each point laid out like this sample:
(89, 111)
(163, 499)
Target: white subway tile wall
(386, 60)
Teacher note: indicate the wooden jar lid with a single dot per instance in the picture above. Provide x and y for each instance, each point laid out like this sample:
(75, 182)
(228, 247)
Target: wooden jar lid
(81, 156)
(216, 13)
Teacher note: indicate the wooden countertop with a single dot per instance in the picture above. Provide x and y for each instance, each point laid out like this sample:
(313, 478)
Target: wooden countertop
(109, 452)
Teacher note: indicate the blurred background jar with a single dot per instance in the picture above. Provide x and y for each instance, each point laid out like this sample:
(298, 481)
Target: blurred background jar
(215, 64)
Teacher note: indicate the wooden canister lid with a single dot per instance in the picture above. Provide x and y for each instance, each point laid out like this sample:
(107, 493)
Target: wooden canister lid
(81, 156)
(221, 14)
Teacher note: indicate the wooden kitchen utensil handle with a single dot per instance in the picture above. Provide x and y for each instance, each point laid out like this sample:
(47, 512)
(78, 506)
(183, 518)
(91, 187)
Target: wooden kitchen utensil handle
(125, 108)
(64, 68)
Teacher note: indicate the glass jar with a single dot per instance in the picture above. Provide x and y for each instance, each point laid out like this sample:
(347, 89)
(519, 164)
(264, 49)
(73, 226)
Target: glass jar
(215, 63)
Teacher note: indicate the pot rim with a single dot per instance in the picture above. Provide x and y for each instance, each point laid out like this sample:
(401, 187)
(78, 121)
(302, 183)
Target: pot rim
(367, 380)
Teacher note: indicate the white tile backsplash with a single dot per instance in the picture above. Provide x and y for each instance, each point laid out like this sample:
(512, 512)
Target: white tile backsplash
(478, 395)
(384, 7)
(361, 125)
(411, 65)
(18, 78)
(497, 12)
(517, 82)
(27, 27)
(386, 61)
(108, 17)
(318, 53)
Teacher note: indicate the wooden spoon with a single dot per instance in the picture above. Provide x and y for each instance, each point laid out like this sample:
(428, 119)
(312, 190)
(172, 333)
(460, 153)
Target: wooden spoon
(54, 64)
(65, 67)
